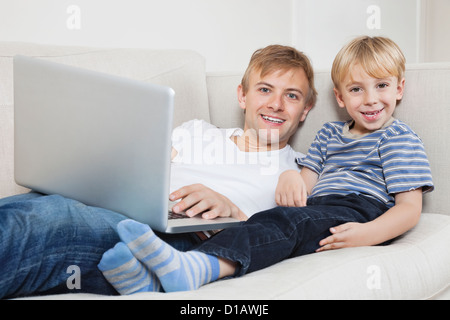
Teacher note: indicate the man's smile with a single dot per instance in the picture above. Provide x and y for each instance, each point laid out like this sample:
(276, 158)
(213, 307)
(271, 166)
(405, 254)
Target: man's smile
(273, 120)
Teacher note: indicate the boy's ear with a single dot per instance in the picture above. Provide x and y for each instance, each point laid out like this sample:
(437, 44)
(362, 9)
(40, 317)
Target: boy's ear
(400, 89)
(241, 97)
(338, 96)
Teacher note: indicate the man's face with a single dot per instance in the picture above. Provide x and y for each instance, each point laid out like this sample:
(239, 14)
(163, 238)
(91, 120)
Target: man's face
(274, 106)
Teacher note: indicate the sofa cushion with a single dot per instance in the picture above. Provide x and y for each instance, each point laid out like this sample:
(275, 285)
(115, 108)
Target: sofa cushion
(415, 266)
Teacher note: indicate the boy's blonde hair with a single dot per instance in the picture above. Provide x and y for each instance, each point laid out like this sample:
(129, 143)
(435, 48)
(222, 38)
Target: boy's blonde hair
(379, 57)
(277, 57)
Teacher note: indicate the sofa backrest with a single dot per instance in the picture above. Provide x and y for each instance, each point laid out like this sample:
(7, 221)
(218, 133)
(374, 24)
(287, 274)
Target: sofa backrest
(182, 70)
(425, 107)
(214, 98)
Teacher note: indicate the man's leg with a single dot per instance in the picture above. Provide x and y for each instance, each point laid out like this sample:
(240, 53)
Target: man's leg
(19, 197)
(49, 244)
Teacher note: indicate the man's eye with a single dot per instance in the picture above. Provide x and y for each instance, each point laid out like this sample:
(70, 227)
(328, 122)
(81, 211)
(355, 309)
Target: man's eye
(292, 96)
(264, 90)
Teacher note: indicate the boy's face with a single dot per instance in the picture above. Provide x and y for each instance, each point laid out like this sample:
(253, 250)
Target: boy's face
(369, 101)
(275, 105)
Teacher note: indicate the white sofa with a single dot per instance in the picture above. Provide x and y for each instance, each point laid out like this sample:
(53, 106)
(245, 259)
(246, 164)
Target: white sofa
(415, 266)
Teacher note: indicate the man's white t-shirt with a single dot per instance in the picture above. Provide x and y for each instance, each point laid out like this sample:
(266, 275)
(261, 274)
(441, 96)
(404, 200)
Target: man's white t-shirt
(208, 156)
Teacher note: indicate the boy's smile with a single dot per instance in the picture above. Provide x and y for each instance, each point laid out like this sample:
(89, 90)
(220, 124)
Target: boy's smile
(369, 101)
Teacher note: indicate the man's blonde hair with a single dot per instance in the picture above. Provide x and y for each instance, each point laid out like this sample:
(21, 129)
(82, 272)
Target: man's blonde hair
(378, 56)
(277, 57)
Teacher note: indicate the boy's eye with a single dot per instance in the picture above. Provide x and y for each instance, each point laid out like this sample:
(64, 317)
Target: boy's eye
(355, 90)
(383, 85)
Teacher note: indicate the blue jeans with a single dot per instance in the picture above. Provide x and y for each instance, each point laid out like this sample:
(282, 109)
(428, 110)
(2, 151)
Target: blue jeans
(281, 233)
(43, 237)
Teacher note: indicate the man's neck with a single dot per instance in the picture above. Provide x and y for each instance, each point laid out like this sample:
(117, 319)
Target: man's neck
(250, 143)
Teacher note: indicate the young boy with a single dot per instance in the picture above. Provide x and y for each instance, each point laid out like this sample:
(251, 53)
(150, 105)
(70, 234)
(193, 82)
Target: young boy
(365, 179)
(373, 155)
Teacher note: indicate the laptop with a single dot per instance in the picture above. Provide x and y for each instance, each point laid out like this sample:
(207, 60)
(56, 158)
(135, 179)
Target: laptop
(100, 139)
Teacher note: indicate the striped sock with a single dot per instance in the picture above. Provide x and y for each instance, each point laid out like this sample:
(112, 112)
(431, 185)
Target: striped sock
(176, 270)
(125, 273)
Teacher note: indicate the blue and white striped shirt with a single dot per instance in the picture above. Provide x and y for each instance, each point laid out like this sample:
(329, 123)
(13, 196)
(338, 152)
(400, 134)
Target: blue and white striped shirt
(379, 165)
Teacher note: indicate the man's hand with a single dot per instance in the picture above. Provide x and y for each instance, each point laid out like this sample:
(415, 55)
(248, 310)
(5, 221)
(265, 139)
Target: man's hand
(199, 199)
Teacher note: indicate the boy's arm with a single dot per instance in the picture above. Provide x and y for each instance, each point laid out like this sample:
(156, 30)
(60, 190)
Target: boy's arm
(394, 222)
(310, 178)
(293, 187)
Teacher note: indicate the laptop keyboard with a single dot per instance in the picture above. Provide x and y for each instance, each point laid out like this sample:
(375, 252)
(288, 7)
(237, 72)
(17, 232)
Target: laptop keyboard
(173, 215)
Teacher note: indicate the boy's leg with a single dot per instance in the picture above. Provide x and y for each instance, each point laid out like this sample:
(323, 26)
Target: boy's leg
(126, 274)
(49, 244)
(176, 270)
(265, 239)
(281, 233)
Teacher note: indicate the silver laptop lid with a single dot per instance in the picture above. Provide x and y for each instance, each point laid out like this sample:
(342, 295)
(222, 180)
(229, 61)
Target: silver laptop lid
(97, 138)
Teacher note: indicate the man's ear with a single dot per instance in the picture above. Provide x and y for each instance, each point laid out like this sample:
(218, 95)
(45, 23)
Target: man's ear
(241, 97)
(305, 112)
(338, 95)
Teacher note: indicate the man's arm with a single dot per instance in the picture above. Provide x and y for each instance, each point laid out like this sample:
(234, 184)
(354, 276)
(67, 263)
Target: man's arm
(394, 222)
(173, 154)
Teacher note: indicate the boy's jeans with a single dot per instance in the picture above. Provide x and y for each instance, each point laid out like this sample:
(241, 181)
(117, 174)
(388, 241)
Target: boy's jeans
(277, 234)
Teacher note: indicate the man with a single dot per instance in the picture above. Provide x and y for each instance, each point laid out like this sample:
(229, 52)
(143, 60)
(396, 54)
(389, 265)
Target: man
(43, 237)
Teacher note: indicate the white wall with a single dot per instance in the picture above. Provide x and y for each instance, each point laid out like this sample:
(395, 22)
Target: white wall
(436, 39)
(324, 26)
(227, 32)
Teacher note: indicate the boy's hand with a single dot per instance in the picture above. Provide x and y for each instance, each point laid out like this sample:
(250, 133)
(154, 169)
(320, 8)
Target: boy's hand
(346, 235)
(397, 220)
(291, 190)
